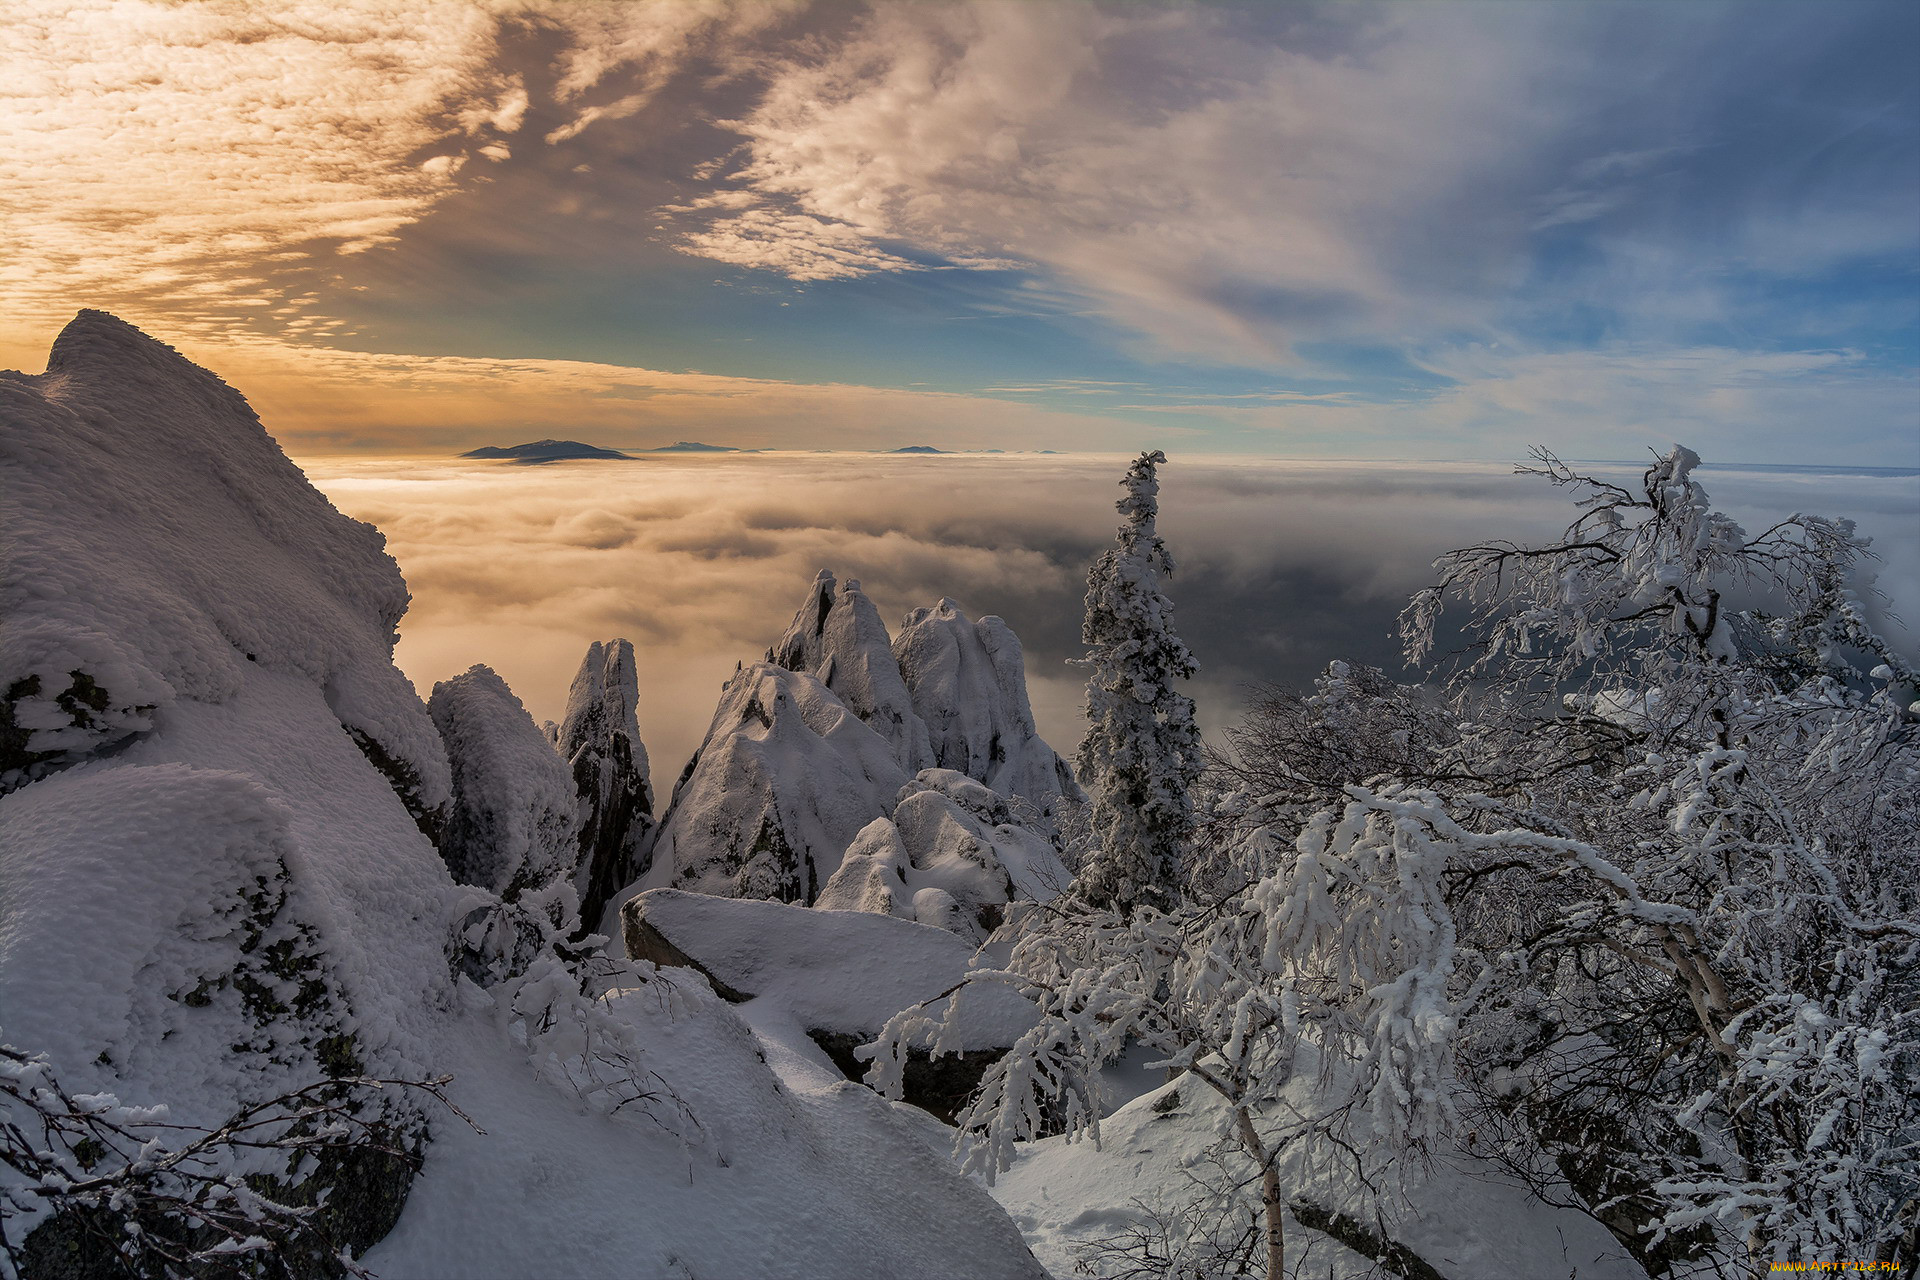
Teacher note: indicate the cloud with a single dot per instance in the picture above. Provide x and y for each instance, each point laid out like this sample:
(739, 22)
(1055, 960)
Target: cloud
(1230, 180)
(198, 160)
(701, 561)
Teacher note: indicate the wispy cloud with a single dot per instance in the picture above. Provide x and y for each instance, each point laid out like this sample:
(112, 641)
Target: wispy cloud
(200, 161)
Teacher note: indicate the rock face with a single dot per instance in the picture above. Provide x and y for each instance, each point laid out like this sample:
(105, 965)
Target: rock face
(948, 693)
(968, 682)
(950, 855)
(513, 825)
(599, 738)
(784, 780)
(787, 799)
(837, 636)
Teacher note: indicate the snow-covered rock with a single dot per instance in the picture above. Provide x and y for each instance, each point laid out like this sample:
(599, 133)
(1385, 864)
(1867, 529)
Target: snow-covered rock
(968, 683)
(837, 636)
(832, 979)
(513, 825)
(785, 779)
(949, 855)
(159, 546)
(599, 738)
(216, 881)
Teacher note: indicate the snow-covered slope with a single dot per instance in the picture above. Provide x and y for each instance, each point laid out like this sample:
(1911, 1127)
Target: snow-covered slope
(599, 738)
(217, 879)
(159, 547)
(1462, 1218)
(968, 682)
(785, 779)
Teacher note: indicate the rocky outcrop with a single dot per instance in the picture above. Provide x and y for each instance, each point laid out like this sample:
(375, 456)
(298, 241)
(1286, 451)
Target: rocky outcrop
(949, 855)
(837, 636)
(599, 738)
(513, 825)
(968, 683)
(784, 780)
(160, 547)
(839, 976)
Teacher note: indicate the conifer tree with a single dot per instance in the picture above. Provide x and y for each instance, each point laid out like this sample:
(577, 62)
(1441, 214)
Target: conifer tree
(1141, 756)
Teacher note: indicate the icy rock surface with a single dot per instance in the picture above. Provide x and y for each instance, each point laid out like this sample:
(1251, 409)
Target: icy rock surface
(158, 545)
(599, 738)
(968, 682)
(837, 636)
(785, 779)
(513, 824)
(954, 841)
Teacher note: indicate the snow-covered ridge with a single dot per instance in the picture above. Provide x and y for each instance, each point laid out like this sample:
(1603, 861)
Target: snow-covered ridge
(159, 545)
(219, 881)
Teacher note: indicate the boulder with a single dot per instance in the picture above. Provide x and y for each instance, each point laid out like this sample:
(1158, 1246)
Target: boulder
(840, 975)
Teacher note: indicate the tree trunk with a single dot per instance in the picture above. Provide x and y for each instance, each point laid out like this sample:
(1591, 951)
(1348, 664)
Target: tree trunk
(1270, 1197)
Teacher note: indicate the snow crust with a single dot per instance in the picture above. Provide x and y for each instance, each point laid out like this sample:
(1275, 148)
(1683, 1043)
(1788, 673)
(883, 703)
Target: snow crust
(822, 1180)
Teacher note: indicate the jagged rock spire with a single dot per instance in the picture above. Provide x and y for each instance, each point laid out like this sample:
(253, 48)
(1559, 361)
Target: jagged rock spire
(968, 683)
(783, 782)
(599, 738)
(838, 638)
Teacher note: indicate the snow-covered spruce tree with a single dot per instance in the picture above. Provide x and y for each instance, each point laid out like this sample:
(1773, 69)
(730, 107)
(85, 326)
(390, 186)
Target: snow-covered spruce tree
(1739, 1062)
(1141, 756)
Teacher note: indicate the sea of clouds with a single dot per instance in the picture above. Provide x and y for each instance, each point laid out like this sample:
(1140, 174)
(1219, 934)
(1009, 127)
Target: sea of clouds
(701, 561)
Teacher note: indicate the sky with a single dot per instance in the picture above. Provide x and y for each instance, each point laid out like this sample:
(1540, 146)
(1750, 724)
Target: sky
(1354, 230)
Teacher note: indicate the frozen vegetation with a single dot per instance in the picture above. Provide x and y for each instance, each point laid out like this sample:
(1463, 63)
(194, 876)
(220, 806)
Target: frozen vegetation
(1597, 955)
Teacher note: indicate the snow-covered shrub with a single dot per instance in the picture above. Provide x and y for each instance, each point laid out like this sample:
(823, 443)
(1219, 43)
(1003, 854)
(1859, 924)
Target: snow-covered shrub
(1141, 756)
(95, 1187)
(1750, 1057)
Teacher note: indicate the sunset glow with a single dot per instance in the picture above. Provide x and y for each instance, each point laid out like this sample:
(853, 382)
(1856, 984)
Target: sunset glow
(1428, 230)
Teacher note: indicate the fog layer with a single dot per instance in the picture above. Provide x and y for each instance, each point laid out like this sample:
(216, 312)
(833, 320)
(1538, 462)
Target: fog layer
(701, 561)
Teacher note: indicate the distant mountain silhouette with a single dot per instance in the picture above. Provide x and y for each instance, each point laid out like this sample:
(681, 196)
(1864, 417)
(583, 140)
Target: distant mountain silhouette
(546, 451)
(694, 446)
(917, 448)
